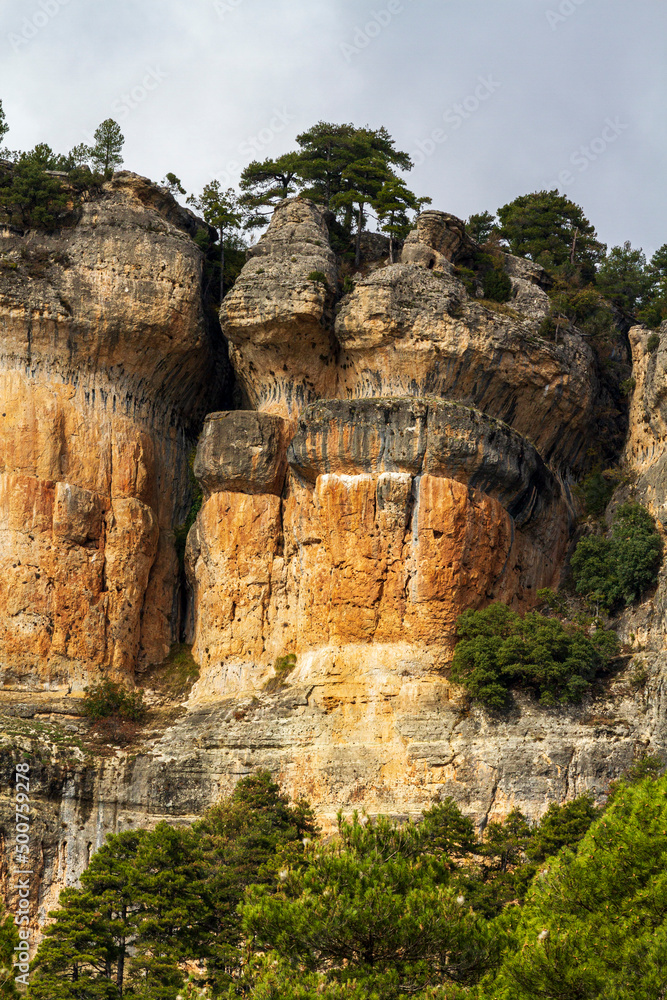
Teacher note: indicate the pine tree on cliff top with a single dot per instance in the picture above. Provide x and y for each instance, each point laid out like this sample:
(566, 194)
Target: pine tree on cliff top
(550, 229)
(265, 185)
(221, 210)
(392, 204)
(4, 127)
(109, 141)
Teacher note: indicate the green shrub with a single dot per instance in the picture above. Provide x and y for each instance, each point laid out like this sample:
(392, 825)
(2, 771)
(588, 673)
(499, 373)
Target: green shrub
(627, 386)
(497, 285)
(348, 285)
(467, 276)
(653, 343)
(283, 666)
(615, 571)
(498, 650)
(318, 276)
(596, 491)
(110, 698)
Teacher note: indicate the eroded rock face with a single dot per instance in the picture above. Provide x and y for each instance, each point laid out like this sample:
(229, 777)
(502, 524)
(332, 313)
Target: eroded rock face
(402, 463)
(106, 369)
(398, 515)
(646, 446)
(277, 316)
(429, 437)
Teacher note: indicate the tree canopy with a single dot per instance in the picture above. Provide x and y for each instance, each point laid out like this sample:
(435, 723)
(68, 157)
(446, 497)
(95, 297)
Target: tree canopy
(615, 571)
(221, 209)
(498, 649)
(594, 920)
(550, 229)
(347, 169)
(4, 127)
(106, 151)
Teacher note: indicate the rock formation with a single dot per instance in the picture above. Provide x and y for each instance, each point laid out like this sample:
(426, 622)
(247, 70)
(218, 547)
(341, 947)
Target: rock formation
(105, 372)
(408, 452)
(431, 438)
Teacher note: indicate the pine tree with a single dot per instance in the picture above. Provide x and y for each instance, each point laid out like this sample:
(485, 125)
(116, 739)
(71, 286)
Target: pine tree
(480, 226)
(242, 840)
(173, 184)
(4, 127)
(31, 197)
(371, 909)
(171, 910)
(221, 210)
(9, 940)
(76, 957)
(265, 185)
(326, 149)
(623, 278)
(393, 202)
(109, 141)
(550, 229)
(594, 921)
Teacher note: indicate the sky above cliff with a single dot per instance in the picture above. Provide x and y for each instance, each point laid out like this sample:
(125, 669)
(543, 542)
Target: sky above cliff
(491, 99)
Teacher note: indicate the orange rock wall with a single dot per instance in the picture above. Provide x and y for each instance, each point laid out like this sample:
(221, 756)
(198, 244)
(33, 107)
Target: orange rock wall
(359, 559)
(104, 361)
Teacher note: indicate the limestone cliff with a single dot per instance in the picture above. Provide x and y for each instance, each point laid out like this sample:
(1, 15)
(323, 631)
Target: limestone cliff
(406, 458)
(105, 374)
(408, 453)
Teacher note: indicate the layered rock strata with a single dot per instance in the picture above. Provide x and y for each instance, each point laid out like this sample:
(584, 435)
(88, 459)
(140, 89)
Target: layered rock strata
(430, 436)
(404, 459)
(397, 515)
(105, 372)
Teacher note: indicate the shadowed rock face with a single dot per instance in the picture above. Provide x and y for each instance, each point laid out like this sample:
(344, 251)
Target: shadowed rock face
(429, 436)
(106, 370)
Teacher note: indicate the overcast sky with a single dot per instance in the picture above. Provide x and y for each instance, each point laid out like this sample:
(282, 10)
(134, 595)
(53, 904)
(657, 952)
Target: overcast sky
(492, 98)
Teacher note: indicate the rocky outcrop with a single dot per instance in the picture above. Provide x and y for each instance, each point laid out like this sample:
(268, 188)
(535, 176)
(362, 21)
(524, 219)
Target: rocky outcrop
(106, 369)
(646, 446)
(399, 514)
(277, 317)
(430, 437)
(408, 455)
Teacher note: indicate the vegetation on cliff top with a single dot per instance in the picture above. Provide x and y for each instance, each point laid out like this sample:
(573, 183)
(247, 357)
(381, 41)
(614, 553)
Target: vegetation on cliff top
(248, 902)
(355, 174)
